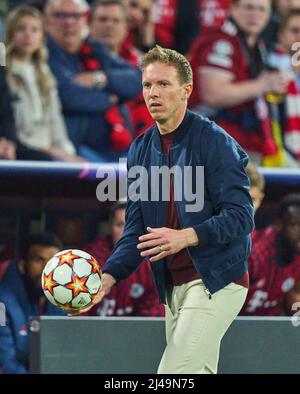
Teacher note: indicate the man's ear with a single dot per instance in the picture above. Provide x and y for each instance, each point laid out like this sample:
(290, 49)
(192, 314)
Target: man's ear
(21, 266)
(188, 88)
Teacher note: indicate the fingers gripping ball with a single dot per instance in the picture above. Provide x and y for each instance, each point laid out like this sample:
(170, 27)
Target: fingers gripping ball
(71, 279)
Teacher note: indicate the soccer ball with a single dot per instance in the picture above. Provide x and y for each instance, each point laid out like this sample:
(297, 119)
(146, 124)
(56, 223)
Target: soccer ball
(71, 279)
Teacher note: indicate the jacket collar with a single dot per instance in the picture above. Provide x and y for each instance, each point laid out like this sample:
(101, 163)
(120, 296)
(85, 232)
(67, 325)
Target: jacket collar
(182, 132)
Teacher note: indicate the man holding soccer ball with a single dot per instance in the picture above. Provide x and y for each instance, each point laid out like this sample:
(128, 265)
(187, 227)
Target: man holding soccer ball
(199, 252)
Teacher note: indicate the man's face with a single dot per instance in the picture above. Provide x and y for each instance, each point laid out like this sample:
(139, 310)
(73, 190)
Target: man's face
(252, 16)
(37, 258)
(138, 12)
(65, 23)
(117, 225)
(163, 92)
(109, 25)
(291, 229)
(290, 34)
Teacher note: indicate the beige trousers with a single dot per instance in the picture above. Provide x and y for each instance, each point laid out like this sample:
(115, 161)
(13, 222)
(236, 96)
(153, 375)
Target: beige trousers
(195, 326)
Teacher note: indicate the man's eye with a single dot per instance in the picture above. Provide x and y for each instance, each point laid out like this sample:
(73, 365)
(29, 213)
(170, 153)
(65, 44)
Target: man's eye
(163, 84)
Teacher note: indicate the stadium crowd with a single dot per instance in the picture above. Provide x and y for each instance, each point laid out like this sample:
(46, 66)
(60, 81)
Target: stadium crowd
(71, 91)
(75, 85)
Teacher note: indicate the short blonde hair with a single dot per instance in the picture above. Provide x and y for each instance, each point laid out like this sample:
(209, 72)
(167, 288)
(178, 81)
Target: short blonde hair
(172, 58)
(255, 177)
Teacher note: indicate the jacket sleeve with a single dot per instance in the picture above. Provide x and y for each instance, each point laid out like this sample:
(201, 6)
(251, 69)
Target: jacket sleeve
(8, 356)
(228, 189)
(126, 257)
(75, 97)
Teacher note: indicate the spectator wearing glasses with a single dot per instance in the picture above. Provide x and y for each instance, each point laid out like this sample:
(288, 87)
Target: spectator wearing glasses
(93, 84)
(108, 24)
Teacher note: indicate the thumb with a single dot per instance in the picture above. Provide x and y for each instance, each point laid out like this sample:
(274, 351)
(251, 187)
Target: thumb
(150, 229)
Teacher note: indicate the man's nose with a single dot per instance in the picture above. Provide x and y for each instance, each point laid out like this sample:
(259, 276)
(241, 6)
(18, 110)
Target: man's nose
(153, 91)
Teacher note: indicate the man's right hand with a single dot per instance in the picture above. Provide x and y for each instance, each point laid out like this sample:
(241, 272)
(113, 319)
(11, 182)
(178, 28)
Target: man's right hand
(107, 283)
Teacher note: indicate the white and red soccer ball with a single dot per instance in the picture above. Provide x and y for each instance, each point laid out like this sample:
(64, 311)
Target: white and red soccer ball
(71, 279)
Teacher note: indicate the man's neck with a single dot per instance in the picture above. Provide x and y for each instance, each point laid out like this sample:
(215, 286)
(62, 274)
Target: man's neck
(172, 124)
(251, 40)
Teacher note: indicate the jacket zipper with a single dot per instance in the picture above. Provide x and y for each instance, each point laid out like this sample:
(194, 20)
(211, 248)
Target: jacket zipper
(207, 292)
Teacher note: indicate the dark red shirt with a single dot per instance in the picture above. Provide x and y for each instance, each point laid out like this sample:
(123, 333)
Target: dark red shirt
(270, 277)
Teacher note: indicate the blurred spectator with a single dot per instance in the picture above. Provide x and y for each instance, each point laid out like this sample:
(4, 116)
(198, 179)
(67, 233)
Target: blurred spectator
(22, 295)
(176, 23)
(39, 122)
(285, 59)
(274, 262)
(108, 23)
(135, 296)
(279, 9)
(232, 86)
(141, 24)
(91, 82)
(257, 187)
(10, 146)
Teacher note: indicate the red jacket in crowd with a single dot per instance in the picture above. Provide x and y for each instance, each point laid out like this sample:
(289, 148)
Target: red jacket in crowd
(134, 296)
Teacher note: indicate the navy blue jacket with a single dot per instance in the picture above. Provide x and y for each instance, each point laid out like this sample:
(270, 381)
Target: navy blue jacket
(223, 225)
(14, 343)
(84, 107)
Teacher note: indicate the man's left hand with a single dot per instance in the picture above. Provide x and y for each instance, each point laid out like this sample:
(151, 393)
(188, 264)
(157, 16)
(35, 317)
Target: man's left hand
(165, 241)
